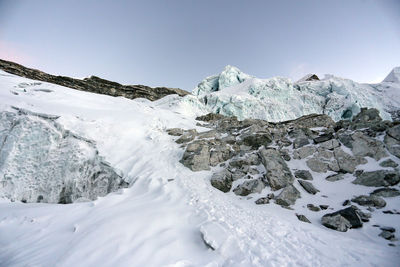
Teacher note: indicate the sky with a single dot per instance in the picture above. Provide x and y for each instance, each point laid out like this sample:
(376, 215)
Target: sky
(177, 43)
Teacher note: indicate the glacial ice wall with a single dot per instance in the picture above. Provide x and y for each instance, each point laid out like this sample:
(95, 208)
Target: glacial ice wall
(42, 162)
(235, 93)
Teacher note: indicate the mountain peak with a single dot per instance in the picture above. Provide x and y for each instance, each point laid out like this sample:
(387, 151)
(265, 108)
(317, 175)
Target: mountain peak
(393, 76)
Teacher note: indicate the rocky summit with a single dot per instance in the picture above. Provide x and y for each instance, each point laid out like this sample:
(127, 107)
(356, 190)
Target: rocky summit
(92, 84)
(285, 162)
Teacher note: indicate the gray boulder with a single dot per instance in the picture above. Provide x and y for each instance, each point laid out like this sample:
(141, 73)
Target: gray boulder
(330, 144)
(222, 180)
(304, 152)
(365, 146)
(386, 192)
(302, 218)
(303, 174)
(262, 201)
(370, 201)
(342, 220)
(175, 131)
(300, 142)
(249, 187)
(388, 163)
(335, 177)
(278, 173)
(346, 162)
(288, 196)
(387, 235)
(392, 145)
(394, 132)
(197, 156)
(317, 165)
(378, 178)
(309, 187)
(323, 138)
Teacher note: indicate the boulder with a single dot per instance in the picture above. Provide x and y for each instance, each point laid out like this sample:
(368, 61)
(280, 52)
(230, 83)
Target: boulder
(278, 173)
(220, 152)
(197, 156)
(256, 140)
(394, 132)
(312, 207)
(387, 235)
(365, 146)
(302, 218)
(330, 144)
(303, 174)
(323, 138)
(378, 178)
(222, 180)
(317, 165)
(366, 118)
(304, 152)
(342, 220)
(249, 187)
(370, 201)
(386, 192)
(309, 187)
(262, 201)
(335, 177)
(288, 196)
(392, 145)
(300, 142)
(346, 162)
(388, 163)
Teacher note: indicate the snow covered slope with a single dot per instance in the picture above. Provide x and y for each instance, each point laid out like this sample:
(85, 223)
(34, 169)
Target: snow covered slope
(162, 219)
(235, 93)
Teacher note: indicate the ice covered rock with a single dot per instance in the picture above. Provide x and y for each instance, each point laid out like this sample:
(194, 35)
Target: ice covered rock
(40, 161)
(234, 93)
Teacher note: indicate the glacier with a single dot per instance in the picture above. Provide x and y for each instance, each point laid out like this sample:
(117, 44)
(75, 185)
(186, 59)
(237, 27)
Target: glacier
(234, 93)
(40, 161)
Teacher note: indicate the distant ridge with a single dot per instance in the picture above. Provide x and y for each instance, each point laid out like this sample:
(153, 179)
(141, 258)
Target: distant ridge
(92, 84)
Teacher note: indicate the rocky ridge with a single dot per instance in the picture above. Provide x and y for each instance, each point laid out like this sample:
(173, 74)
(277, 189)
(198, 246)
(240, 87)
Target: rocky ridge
(92, 84)
(282, 162)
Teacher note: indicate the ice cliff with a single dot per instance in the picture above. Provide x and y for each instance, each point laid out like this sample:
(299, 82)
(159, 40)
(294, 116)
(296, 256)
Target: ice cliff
(42, 162)
(234, 93)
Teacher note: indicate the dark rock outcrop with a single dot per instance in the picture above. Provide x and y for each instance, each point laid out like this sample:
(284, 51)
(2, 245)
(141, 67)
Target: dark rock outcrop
(92, 84)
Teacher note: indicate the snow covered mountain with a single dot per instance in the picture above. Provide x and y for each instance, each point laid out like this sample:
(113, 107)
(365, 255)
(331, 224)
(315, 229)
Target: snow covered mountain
(211, 191)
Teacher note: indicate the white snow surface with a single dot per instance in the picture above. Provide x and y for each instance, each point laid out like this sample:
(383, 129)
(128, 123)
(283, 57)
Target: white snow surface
(161, 218)
(235, 93)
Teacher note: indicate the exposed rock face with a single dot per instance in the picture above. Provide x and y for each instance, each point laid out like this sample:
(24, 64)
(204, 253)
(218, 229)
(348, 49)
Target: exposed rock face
(255, 154)
(278, 173)
(58, 166)
(342, 220)
(378, 178)
(93, 84)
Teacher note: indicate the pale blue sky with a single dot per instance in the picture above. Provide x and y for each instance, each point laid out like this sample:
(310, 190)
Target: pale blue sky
(178, 43)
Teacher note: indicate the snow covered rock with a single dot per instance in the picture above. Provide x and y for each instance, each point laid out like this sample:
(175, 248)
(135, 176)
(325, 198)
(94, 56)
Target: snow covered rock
(42, 162)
